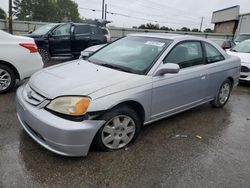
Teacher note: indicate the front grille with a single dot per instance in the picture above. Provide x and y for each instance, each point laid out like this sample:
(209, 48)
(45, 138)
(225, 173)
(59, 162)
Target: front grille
(245, 69)
(32, 96)
(243, 76)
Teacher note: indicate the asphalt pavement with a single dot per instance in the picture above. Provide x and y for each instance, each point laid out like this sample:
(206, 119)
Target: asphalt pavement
(202, 147)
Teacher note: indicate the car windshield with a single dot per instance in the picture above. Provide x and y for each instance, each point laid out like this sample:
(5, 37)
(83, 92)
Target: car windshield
(243, 47)
(44, 29)
(241, 38)
(131, 54)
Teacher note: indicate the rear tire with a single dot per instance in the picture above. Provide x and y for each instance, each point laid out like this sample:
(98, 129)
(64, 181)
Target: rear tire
(7, 79)
(222, 95)
(44, 54)
(122, 127)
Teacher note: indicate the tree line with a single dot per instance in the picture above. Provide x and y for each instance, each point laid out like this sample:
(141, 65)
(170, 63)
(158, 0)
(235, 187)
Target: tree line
(157, 27)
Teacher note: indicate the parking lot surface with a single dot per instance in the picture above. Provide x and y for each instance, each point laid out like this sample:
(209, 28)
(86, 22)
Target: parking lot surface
(202, 147)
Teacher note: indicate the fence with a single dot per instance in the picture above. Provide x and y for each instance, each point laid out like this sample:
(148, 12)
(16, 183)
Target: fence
(20, 27)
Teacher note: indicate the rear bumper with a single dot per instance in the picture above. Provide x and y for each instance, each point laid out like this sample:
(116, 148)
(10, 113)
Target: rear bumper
(58, 135)
(32, 64)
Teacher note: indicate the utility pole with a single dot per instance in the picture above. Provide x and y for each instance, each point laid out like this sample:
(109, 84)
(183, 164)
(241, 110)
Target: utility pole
(10, 17)
(103, 1)
(201, 23)
(105, 17)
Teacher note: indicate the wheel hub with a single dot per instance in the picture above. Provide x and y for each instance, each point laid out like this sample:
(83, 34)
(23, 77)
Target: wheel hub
(5, 79)
(118, 132)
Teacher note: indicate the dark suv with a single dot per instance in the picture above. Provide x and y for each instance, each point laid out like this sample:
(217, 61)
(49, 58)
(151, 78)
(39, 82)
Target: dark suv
(66, 39)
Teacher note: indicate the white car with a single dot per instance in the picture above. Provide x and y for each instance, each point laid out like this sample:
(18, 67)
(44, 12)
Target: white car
(242, 50)
(19, 59)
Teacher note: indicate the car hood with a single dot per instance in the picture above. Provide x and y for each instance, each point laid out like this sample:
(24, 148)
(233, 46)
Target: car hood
(245, 57)
(78, 78)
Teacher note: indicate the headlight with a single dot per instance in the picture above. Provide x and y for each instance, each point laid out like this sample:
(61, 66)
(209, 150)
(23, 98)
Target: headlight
(70, 105)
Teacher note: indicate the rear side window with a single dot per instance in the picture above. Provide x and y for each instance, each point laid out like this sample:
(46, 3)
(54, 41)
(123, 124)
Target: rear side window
(95, 30)
(212, 54)
(105, 31)
(82, 29)
(186, 54)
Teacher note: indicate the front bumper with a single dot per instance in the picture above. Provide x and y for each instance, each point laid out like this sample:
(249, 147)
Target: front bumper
(58, 135)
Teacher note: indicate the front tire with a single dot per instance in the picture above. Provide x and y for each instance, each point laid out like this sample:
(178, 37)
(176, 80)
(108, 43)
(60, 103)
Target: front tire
(44, 54)
(222, 95)
(7, 79)
(121, 129)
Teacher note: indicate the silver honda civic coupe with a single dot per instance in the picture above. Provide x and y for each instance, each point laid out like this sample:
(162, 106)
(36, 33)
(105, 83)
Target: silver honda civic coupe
(105, 100)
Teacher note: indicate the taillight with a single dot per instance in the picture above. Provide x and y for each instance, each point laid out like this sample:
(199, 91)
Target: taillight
(31, 47)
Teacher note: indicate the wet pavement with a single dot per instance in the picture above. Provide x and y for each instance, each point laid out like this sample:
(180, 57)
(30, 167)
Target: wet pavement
(202, 147)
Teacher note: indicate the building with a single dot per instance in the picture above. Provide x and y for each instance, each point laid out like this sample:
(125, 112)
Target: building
(229, 20)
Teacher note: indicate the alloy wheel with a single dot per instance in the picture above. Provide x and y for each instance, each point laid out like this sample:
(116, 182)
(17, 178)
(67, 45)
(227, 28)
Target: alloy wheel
(224, 93)
(118, 132)
(5, 79)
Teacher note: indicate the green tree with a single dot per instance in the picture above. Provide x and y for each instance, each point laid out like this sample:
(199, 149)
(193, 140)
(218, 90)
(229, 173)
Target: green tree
(149, 26)
(46, 10)
(2, 14)
(185, 29)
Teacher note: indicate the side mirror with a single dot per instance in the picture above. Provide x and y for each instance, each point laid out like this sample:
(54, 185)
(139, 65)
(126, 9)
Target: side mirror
(30, 32)
(170, 68)
(85, 54)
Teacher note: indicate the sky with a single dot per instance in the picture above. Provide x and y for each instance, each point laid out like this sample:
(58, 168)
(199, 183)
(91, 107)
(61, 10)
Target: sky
(169, 13)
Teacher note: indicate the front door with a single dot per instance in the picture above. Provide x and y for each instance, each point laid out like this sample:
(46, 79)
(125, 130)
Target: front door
(59, 40)
(176, 92)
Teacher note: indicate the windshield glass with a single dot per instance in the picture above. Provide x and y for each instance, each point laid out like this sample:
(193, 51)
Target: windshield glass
(243, 47)
(241, 38)
(44, 29)
(131, 54)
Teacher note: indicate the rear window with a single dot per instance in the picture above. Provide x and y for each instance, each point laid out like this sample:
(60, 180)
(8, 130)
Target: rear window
(105, 31)
(242, 37)
(82, 29)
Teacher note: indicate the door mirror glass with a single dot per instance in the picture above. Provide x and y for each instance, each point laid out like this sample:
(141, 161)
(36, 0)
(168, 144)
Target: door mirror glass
(167, 68)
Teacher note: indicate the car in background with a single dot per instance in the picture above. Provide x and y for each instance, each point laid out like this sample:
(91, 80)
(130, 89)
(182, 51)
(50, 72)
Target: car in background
(19, 59)
(241, 37)
(223, 43)
(67, 39)
(131, 82)
(242, 50)
(90, 50)
(106, 33)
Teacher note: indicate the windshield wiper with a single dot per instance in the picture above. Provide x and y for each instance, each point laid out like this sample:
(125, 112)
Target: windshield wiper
(117, 67)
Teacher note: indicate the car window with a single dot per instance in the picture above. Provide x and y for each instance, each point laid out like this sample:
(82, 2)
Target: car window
(95, 30)
(82, 29)
(186, 54)
(243, 47)
(135, 54)
(44, 29)
(105, 31)
(242, 37)
(62, 30)
(212, 54)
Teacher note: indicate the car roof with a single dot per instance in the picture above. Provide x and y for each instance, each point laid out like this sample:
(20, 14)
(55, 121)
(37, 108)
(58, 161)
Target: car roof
(170, 36)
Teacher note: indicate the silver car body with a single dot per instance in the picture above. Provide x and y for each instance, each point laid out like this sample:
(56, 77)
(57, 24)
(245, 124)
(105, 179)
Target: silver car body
(158, 96)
